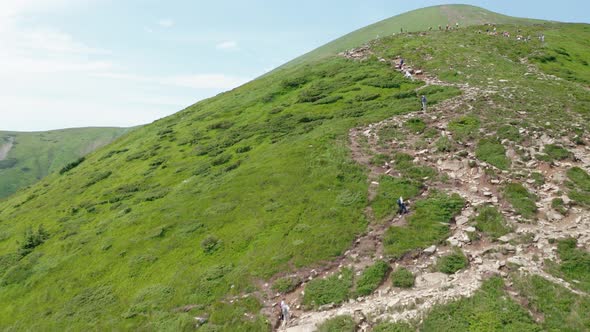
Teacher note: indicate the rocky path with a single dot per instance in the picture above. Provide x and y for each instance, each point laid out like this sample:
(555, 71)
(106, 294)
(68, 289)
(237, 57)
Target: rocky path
(525, 249)
(6, 147)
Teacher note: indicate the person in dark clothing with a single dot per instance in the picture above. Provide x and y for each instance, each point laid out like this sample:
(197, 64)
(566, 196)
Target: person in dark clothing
(403, 209)
(423, 99)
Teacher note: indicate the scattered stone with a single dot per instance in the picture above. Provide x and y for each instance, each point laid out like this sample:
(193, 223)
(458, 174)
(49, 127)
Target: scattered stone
(430, 250)
(470, 229)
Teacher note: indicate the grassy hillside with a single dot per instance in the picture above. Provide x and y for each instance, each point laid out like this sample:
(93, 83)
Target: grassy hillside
(416, 20)
(31, 156)
(193, 214)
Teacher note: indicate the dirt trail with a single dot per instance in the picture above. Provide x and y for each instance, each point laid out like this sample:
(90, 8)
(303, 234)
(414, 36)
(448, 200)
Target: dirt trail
(525, 249)
(6, 147)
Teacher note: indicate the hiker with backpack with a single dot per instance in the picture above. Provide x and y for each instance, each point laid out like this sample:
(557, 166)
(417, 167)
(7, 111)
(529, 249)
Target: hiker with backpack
(423, 100)
(284, 312)
(403, 209)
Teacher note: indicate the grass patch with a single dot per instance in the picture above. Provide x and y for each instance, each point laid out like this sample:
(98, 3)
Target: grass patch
(492, 152)
(334, 289)
(285, 285)
(521, 199)
(553, 152)
(403, 278)
(427, 225)
(489, 309)
(415, 125)
(575, 264)
(444, 144)
(579, 184)
(390, 189)
(453, 262)
(404, 164)
(491, 222)
(343, 323)
(394, 327)
(464, 127)
(372, 277)
(510, 133)
(562, 310)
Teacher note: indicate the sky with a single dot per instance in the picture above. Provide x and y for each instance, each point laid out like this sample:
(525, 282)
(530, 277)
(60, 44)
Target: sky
(80, 63)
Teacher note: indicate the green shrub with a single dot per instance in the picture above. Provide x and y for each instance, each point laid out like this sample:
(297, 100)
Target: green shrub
(427, 225)
(492, 152)
(522, 201)
(444, 144)
(371, 278)
(403, 278)
(210, 244)
(328, 100)
(71, 165)
(490, 221)
(338, 324)
(554, 152)
(415, 125)
(333, 289)
(367, 97)
(394, 327)
(464, 127)
(285, 285)
(558, 205)
(32, 240)
(453, 262)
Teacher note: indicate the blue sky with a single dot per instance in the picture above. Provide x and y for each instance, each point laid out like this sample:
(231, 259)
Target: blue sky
(75, 63)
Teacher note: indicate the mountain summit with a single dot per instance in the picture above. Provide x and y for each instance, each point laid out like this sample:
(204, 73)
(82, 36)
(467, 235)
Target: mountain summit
(293, 186)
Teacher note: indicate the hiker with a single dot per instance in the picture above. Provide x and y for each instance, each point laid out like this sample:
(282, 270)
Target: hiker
(440, 27)
(423, 100)
(402, 206)
(542, 38)
(401, 63)
(284, 312)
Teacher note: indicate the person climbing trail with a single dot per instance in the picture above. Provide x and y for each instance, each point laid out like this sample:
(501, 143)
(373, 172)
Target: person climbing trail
(403, 209)
(423, 99)
(284, 312)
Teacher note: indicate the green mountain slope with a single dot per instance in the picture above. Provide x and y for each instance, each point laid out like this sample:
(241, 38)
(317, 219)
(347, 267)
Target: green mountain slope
(416, 20)
(28, 157)
(197, 214)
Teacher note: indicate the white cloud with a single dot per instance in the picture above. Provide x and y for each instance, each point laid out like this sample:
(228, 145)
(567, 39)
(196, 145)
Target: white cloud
(166, 23)
(228, 45)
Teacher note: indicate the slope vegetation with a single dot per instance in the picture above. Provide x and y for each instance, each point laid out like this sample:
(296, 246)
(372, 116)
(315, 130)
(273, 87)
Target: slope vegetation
(27, 157)
(416, 20)
(209, 212)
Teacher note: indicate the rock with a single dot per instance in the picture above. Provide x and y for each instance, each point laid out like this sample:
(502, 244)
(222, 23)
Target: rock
(430, 250)
(200, 320)
(554, 216)
(477, 260)
(461, 220)
(517, 260)
(504, 239)
(470, 229)
(326, 306)
(359, 317)
(488, 193)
